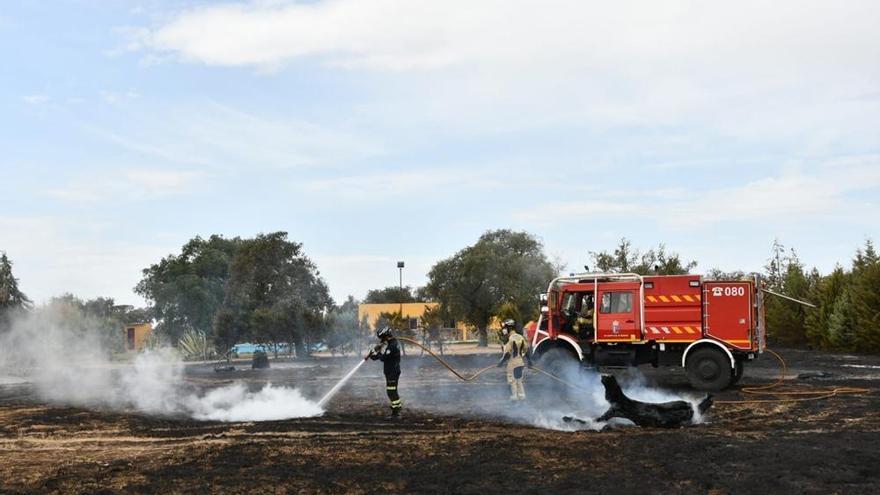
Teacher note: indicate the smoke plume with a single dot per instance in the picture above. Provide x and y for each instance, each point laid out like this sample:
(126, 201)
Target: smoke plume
(63, 354)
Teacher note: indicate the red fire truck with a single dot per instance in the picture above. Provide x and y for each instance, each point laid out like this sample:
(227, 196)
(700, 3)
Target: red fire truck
(710, 328)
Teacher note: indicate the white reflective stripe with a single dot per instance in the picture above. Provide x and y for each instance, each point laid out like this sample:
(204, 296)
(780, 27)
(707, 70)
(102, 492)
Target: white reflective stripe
(575, 347)
(665, 330)
(654, 330)
(707, 341)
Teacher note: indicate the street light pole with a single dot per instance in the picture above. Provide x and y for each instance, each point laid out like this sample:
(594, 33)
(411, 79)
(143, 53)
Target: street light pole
(400, 267)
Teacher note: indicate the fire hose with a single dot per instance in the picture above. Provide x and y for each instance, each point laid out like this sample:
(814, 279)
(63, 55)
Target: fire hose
(763, 390)
(790, 395)
(487, 368)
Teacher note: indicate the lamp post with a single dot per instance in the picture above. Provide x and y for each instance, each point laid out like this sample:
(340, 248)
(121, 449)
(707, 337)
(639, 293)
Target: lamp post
(400, 267)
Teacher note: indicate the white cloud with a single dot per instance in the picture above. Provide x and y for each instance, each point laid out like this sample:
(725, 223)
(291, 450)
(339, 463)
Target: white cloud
(355, 274)
(115, 97)
(408, 183)
(423, 34)
(748, 70)
(820, 193)
(53, 255)
(134, 184)
(37, 99)
(215, 135)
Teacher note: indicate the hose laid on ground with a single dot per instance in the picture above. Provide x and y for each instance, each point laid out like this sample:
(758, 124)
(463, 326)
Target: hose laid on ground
(763, 390)
(447, 365)
(487, 368)
(790, 395)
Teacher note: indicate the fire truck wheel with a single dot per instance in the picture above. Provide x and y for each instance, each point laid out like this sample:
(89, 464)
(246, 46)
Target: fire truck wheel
(556, 360)
(736, 373)
(708, 369)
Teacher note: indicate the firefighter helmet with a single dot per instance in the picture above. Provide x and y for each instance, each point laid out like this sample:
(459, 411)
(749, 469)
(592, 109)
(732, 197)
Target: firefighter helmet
(383, 333)
(509, 323)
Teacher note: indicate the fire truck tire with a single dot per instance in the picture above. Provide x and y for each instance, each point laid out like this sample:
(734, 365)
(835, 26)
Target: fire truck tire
(736, 373)
(556, 359)
(709, 369)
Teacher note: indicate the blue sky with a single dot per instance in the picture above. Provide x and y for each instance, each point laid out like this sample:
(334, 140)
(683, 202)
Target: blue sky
(379, 130)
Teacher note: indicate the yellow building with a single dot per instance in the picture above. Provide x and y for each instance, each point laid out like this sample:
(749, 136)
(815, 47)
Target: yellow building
(413, 312)
(136, 335)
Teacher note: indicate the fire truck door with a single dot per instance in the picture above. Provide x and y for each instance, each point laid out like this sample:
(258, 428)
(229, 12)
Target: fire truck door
(728, 312)
(618, 316)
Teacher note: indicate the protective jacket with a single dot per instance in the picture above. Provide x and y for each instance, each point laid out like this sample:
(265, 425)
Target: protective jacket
(390, 357)
(515, 350)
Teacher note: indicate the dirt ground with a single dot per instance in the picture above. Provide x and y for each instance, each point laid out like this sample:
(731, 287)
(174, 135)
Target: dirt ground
(451, 439)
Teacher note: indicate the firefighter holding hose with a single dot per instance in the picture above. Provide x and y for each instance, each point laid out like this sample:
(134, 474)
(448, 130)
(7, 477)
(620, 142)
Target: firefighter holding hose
(516, 355)
(388, 351)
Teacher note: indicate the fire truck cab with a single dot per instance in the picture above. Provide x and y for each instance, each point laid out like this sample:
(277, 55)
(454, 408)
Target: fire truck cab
(710, 328)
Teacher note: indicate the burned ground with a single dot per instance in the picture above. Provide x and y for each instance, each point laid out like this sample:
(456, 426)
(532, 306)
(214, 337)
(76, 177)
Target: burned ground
(451, 439)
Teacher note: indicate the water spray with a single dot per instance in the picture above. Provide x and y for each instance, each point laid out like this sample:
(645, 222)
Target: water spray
(329, 395)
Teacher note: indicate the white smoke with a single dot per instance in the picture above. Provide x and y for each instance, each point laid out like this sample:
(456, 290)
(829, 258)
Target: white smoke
(236, 403)
(586, 399)
(581, 399)
(63, 354)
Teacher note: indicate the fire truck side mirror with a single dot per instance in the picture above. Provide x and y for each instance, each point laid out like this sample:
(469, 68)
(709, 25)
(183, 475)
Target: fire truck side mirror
(545, 310)
(542, 298)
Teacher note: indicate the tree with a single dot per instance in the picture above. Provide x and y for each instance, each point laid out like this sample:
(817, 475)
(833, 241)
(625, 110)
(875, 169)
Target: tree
(785, 274)
(186, 290)
(826, 294)
(99, 319)
(719, 274)
(865, 295)
(626, 259)
(501, 267)
(343, 332)
(274, 294)
(392, 294)
(12, 299)
(842, 324)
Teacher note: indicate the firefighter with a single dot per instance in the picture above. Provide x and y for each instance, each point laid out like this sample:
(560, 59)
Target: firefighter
(514, 354)
(583, 322)
(388, 351)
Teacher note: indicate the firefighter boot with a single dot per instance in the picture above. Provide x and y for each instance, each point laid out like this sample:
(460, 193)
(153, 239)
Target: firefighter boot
(520, 390)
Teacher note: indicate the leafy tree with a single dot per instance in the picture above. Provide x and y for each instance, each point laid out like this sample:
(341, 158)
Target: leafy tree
(399, 323)
(274, 294)
(99, 318)
(391, 294)
(501, 267)
(12, 299)
(626, 259)
(431, 322)
(186, 290)
(718, 274)
(343, 332)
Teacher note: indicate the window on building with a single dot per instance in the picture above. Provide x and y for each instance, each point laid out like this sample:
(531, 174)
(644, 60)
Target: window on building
(616, 302)
(413, 323)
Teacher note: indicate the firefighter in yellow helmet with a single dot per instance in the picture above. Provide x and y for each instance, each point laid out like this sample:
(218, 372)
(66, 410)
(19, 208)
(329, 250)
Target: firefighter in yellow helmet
(516, 355)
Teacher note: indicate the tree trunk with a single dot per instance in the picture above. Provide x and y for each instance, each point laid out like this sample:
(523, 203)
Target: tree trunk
(664, 415)
(300, 347)
(483, 332)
